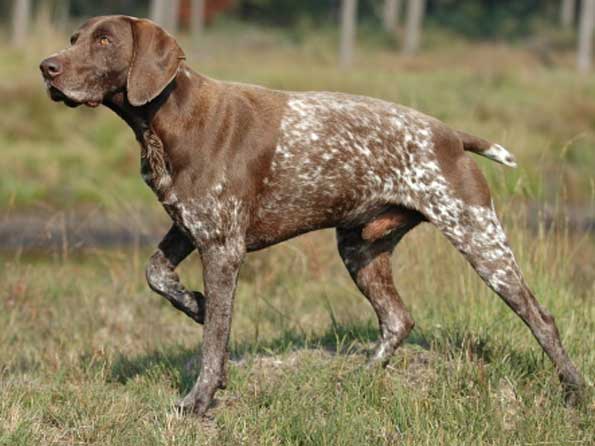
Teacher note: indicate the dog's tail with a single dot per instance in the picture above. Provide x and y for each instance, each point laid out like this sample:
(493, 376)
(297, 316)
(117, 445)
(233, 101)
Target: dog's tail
(485, 148)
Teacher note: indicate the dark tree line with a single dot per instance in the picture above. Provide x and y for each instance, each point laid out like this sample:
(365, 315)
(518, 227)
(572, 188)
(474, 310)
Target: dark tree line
(473, 18)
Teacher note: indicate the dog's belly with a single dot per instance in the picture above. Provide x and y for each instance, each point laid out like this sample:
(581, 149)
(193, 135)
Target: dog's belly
(340, 161)
(283, 212)
(275, 221)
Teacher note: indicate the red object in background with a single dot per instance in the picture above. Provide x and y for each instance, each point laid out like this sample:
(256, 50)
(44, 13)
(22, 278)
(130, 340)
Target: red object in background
(212, 8)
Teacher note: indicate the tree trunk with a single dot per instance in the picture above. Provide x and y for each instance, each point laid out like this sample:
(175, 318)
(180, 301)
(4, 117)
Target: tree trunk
(20, 22)
(348, 24)
(158, 11)
(415, 17)
(172, 15)
(197, 21)
(62, 14)
(567, 11)
(585, 36)
(392, 8)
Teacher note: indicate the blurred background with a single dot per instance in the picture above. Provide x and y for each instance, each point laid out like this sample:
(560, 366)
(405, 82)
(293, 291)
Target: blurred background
(89, 354)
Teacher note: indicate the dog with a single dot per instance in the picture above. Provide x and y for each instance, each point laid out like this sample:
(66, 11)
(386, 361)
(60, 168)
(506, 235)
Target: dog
(239, 168)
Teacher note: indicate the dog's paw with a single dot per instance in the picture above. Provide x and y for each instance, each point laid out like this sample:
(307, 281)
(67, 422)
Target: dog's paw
(194, 404)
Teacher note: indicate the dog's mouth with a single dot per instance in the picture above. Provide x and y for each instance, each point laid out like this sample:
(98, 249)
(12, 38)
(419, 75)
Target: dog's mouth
(58, 95)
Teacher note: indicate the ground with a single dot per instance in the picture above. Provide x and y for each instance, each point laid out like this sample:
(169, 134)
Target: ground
(89, 355)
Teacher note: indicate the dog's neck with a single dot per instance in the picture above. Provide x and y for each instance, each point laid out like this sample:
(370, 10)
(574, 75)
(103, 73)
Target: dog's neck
(171, 104)
(139, 119)
(148, 122)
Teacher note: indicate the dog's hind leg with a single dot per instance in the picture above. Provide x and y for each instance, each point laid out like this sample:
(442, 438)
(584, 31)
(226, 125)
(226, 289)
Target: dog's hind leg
(163, 279)
(368, 263)
(475, 230)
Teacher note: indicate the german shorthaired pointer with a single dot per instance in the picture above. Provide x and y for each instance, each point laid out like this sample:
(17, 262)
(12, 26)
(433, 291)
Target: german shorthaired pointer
(240, 167)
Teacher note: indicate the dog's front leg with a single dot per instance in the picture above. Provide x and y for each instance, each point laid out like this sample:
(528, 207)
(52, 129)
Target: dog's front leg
(162, 278)
(221, 264)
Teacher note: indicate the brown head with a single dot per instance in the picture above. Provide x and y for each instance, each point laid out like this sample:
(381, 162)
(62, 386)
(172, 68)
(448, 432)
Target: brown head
(113, 54)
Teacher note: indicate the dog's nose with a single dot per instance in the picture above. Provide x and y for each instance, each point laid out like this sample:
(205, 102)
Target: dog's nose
(51, 68)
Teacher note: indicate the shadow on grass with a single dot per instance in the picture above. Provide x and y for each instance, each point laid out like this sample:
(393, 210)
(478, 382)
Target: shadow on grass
(341, 339)
(182, 365)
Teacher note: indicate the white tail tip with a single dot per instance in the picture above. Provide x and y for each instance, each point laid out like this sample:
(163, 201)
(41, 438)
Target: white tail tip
(499, 154)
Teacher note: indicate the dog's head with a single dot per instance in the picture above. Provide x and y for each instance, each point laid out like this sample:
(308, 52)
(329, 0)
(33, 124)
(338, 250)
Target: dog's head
(113, 54)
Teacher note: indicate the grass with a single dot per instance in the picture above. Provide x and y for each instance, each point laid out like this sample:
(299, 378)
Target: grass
(88, 355)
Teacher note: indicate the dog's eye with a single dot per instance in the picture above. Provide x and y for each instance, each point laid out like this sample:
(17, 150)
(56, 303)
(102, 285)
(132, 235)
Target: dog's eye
(104, 41)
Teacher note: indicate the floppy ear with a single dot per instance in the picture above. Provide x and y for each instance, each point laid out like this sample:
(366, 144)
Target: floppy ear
(156, 57)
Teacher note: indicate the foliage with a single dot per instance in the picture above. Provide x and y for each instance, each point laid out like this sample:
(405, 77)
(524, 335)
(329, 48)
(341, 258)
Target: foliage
(491, 18)
(288, 12)
(471, 18)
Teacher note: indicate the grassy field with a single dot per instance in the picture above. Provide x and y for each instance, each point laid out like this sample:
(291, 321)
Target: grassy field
(88, 355)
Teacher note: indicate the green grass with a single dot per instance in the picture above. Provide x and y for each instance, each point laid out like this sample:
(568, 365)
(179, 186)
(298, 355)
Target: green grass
(88, 355)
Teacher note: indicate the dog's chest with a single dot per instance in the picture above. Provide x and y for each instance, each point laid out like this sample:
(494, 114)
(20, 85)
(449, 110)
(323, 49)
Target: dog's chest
(210, 216)
(147, 173)
(154, 167)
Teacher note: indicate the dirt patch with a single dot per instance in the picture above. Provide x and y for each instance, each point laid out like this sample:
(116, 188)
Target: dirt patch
(78, 230)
